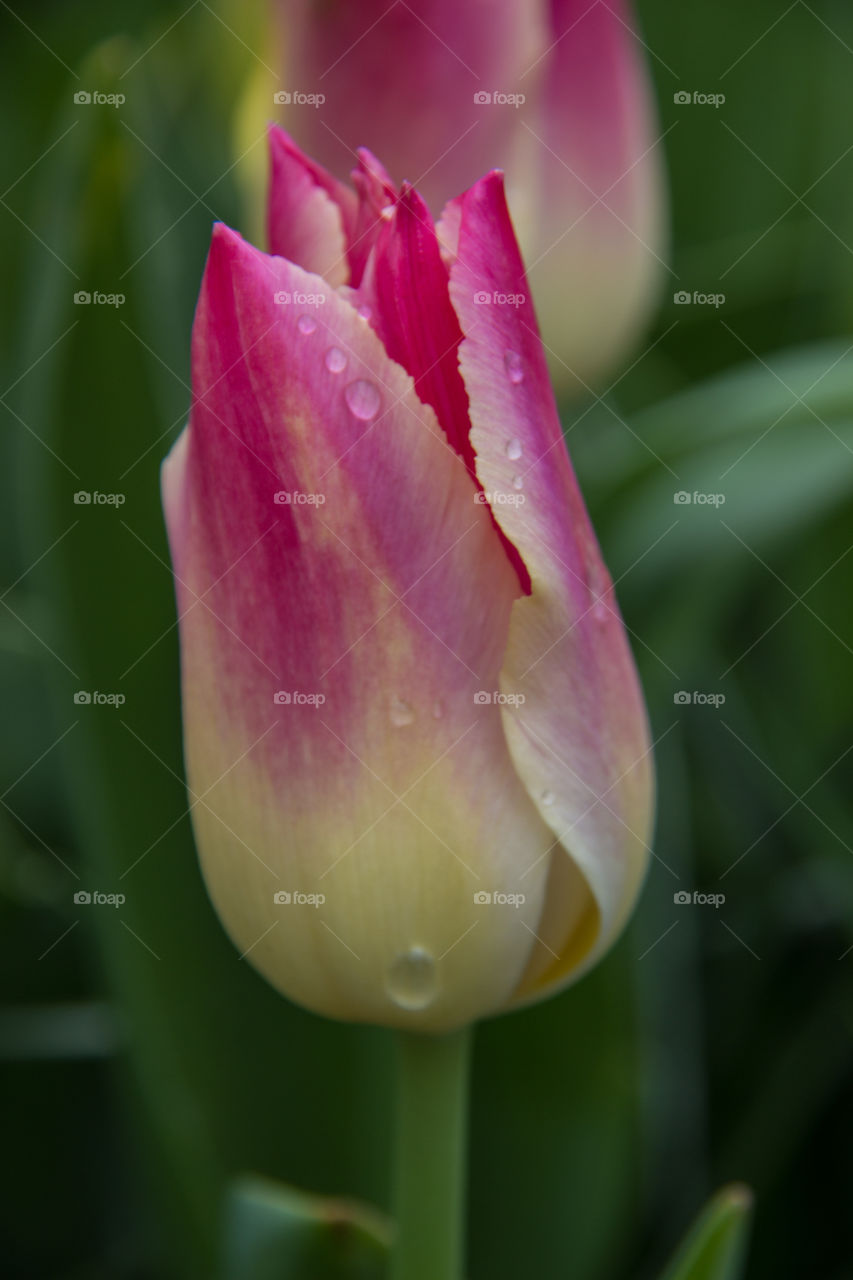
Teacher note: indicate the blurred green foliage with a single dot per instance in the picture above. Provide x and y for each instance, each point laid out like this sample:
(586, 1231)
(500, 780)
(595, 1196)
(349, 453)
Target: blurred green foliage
(145, 1065)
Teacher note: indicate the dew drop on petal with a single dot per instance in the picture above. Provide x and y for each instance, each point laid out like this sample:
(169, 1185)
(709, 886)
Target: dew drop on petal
(401, 713)
(514, 450)
(364, 311)
(411, 979)
(362, 399)
(517, 482)
(513, 366)
(336, 361)
(547, 797)
(306, 324)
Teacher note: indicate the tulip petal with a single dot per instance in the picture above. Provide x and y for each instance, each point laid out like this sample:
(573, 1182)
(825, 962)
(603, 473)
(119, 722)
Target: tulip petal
(310, 215)
(406, 287)
(596, 227)
(579, 738)
(388, 596)
(415, 82)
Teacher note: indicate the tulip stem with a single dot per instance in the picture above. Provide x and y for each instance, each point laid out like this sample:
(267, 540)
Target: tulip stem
(430, 1165)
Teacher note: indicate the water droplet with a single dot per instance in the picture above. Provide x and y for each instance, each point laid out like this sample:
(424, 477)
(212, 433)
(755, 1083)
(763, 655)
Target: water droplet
(411, 979)
(388, 212)
(364, 311)
(362, 399)
(547, 797)
(437, 711)
(336, 361)
(514, 367)
(517, 482)
(306, 324)
(600, 611)
(514, 450)
(401, 713)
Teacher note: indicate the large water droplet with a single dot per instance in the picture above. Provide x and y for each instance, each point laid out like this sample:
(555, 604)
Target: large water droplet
(362, 399)
(514, 367)
(547, 797)
(306, 324)
(401, 713)
(336, 361)
(514, 450)
(411, 980)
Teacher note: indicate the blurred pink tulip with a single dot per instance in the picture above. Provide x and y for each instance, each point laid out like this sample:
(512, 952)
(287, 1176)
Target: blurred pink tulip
(555, 92)
(415, 742)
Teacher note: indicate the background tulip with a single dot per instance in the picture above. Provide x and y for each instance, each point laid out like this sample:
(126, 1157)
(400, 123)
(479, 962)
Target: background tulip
(415, 742)
(556, 93)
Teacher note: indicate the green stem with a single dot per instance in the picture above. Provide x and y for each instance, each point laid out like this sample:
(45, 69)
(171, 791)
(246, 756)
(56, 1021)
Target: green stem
(430, 1156)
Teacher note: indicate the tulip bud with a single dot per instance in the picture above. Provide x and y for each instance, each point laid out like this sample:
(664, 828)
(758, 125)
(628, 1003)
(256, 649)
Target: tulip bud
(416, 749)
(557, 93)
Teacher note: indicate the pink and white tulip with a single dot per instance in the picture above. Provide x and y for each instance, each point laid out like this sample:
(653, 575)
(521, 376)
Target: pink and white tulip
(570, 116)
(406, 683)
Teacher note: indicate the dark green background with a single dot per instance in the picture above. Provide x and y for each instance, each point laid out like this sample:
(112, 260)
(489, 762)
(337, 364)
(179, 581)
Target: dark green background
(144, 1064)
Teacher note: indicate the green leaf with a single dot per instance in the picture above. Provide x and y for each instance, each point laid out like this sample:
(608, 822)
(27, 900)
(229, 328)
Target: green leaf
(715, 1246)
(274, 1232)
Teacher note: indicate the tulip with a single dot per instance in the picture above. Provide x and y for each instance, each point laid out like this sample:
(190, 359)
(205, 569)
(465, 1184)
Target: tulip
(416, 748)
(556, 91)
